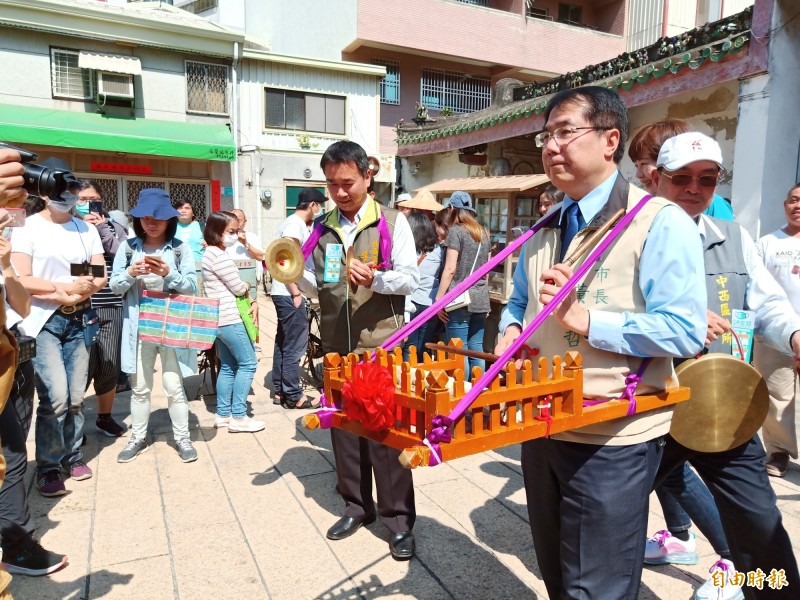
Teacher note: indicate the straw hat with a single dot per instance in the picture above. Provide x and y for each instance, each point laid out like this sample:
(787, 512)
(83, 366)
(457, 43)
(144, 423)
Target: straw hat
(424, 200)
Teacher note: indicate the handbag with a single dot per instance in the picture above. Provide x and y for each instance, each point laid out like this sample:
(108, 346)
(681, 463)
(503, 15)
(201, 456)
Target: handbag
(178, 321)
(462, 300)
(244, 304)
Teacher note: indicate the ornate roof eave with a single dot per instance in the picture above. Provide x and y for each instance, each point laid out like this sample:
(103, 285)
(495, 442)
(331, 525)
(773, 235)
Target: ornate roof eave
(667, 76)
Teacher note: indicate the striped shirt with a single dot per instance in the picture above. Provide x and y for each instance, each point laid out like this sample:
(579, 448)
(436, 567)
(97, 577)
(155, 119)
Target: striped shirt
(221, 280)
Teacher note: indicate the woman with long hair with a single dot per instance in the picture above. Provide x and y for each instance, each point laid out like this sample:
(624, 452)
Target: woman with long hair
(104, 361)
(467, 250)
(429, 262)
(235, 350)
(549, 197)
(155, 260)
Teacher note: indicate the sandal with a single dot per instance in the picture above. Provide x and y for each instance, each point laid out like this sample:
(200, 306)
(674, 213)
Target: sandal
(288, 404)
(307, 404)
(276, 399)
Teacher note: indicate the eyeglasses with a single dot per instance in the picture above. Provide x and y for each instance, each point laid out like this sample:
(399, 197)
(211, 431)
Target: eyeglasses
(562, 134)
(706, 181)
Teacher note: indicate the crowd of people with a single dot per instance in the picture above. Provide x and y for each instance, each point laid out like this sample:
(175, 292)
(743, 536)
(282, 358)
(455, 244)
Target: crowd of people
(73, 277)
(670, 283)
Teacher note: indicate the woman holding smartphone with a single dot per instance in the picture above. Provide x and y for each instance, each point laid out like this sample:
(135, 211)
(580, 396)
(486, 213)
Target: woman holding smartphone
(236, 353)
(156, 261)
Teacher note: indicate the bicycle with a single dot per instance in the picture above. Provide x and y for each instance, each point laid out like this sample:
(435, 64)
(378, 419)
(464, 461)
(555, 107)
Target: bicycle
(314, 352)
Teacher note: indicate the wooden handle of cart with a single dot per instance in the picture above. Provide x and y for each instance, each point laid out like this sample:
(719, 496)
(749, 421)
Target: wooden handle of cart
(488, 356)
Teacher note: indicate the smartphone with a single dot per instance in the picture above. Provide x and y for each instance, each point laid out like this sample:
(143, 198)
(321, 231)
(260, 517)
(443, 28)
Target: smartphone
(96, 206)
(154, 260)
(84, 269)
(17, 217)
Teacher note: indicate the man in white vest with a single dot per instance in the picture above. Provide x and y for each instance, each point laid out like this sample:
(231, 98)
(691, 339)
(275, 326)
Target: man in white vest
(588, 489)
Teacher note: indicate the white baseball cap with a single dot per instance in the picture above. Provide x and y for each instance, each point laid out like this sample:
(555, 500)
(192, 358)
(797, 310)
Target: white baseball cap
(686, 148)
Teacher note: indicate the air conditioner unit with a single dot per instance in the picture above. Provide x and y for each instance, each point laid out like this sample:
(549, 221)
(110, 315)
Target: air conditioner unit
(114, 85)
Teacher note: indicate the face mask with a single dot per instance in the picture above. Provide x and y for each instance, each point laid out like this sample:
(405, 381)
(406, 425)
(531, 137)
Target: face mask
(317, 213)
(82, 209)
(230, 239)
(64, 205)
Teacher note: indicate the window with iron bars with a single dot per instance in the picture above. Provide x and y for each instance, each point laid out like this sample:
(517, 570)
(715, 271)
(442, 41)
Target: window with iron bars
(390, 84)
(68, 79)
(475, 2)
(206, 88)
(460, 92)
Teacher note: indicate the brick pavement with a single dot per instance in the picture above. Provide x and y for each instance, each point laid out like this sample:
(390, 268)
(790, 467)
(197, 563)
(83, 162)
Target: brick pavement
(248, 519)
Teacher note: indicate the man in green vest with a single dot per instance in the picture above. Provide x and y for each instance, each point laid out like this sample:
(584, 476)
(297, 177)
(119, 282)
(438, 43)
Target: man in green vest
(361, 306)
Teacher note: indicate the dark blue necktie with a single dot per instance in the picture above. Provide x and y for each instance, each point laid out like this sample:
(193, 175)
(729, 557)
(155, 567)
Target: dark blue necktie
(574, 224)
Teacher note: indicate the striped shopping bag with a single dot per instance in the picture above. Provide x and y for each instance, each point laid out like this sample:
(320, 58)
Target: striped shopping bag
(177, 321)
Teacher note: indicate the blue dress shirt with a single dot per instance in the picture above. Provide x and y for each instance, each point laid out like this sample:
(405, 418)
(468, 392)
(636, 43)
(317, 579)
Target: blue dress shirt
(671, 279)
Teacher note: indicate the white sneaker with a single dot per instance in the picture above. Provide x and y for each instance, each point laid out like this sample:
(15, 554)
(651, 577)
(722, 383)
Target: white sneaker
(722, 572)
(245, 425)
(664, 548)
(221, 422)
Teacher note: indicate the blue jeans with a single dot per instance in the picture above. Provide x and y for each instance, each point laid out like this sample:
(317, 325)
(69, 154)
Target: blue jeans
(291, 341)
(423, 335)
(468, 327)
(684, 496)
(61, 364)
(238, 364)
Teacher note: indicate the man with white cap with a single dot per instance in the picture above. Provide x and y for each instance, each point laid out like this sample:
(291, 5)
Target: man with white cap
(688, 169)
(399, 203)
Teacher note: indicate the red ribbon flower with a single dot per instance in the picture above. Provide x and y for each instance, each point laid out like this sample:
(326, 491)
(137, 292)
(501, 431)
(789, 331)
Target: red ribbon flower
(369, 396)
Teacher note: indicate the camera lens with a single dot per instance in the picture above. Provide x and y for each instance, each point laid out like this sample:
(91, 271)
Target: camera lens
(43, 181)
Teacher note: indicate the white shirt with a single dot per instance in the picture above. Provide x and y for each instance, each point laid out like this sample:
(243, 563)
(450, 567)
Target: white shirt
(401, 280)
(776, 319)
(292, 227)
(781, 255)
(53, 247)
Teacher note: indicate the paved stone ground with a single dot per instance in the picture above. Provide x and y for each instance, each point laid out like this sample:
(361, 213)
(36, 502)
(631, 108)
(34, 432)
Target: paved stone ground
(248, 519)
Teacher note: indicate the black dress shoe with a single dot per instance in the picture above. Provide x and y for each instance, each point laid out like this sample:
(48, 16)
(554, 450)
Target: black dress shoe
(402, 545)
(347, 526)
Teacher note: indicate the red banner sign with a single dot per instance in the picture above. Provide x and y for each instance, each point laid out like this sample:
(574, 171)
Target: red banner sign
(105, 167)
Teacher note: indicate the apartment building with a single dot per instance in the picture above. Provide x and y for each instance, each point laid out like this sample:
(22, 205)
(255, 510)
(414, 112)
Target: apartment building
(130, 95)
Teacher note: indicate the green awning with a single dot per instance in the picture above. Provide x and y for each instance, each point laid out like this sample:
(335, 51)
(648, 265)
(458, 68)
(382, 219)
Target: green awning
(22, 125)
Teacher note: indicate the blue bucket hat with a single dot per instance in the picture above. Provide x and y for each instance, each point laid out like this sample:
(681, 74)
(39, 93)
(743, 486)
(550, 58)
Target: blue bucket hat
(460, 200)
(154, 202)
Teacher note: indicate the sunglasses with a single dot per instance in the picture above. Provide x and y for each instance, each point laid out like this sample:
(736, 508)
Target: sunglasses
(706, 181)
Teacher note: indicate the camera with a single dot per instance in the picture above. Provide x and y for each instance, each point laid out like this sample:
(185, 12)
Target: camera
(44, 181)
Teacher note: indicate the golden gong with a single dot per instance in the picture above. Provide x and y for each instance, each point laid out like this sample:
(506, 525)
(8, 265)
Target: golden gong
(728, 405)
(284, 261)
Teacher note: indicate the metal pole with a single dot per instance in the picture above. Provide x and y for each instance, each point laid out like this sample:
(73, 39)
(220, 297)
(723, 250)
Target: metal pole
(235, 122)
